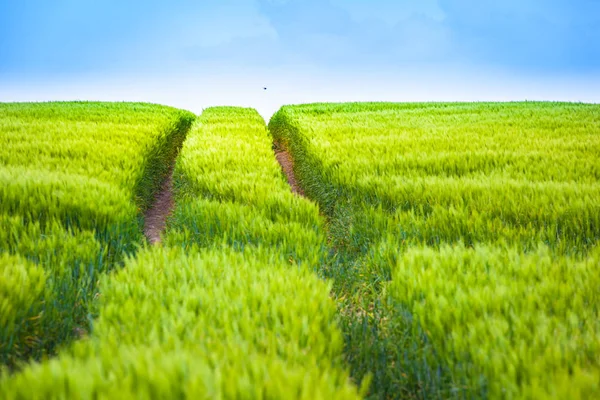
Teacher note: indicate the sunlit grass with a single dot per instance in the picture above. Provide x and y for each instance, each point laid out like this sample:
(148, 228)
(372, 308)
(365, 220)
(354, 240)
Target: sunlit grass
(74, 180)
(228, 306)
(513, 178)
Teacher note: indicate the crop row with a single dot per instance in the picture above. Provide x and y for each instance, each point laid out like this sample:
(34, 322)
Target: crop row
(472, 172)
(228, 306)
(409, 190)
(231, 191)
(74, 178)
(508, 324)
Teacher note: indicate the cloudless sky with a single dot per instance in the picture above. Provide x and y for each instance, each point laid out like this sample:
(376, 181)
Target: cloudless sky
(197, 53)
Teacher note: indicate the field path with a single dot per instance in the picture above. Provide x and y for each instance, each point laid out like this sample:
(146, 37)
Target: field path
(156, 216)
(287, 165)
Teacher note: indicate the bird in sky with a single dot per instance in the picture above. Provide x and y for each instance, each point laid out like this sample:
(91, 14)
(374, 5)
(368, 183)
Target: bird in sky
(264, 88)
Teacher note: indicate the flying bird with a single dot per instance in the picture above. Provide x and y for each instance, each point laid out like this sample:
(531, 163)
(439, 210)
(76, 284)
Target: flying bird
(264, 88)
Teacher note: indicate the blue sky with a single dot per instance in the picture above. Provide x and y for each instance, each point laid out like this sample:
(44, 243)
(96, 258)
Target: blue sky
(251, 43)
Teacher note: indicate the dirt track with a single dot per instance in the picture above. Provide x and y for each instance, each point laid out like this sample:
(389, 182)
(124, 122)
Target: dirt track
(287, 165)
(156, 216)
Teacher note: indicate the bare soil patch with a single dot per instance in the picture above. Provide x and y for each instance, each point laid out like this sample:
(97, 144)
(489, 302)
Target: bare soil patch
(287, 165)
(156, 216)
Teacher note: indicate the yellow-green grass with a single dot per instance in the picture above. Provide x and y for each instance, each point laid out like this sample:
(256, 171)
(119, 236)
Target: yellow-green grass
(89, 165)
(213, 312)
(509, 325)
(74, 179)
(232, 195)
(22, 286)
(514, 177)
(215, 324)
(230, 191)
(523, 172)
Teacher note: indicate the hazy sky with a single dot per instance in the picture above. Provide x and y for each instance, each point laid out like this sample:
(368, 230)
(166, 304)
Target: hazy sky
(196, 53)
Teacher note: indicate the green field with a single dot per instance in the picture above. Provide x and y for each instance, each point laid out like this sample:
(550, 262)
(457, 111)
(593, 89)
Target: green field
(466, 239)
(73, 179)
(443, 250)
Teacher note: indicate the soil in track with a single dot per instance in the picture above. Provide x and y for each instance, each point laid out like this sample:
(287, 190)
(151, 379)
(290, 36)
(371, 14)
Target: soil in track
(287, 165)
(156, 216)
